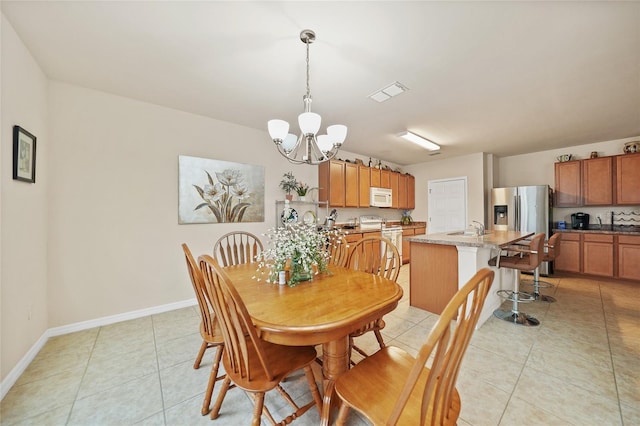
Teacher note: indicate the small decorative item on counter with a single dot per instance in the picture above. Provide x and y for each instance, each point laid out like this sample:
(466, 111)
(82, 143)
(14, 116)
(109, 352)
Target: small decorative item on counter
(406, 218)
(301, 189)
(288, 184)
(562, 225)
(299, 249)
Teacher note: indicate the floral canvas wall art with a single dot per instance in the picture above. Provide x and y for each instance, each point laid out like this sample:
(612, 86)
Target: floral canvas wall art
(215, 191)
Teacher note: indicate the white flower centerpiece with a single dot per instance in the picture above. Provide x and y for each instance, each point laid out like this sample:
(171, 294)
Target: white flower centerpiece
(299, 249)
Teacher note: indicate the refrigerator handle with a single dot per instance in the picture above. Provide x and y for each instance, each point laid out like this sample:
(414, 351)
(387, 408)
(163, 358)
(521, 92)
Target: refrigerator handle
(516, 202)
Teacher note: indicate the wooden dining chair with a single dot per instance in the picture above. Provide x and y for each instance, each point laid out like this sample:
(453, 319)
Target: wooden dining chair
(209, 328)
(337, 248)
(392, 387)
(255, 365)
(375, 255)
(236, 248)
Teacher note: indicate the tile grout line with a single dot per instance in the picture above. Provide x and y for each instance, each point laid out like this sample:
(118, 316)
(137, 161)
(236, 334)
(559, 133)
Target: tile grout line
(613, 366)
(155, 347)
(84, 373)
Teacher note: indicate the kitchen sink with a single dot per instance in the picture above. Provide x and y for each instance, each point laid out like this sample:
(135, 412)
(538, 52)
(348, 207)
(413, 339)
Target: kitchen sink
(469, 233)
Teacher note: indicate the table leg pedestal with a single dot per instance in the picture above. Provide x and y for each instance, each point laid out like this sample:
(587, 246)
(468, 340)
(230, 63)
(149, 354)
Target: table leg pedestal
(335, 361)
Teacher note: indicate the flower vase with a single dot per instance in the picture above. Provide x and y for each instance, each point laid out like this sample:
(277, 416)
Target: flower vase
(298, 273)
(289, 197)
(302, 197)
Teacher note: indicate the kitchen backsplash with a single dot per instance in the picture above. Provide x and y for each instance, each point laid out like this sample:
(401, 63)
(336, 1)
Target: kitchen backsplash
(622, 215)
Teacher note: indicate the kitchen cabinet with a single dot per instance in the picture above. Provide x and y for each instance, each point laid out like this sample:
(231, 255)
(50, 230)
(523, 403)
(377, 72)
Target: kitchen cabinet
(570, 255)
(406, 245)
(597, 254)
(385, 179)
(411, 192)
(375, 177)
(331, 175)
(364, 183)
(394, 179)
(568, 184)
(597, 181)
(628, 254)
(344, 184)
(628, 179)
(351, 185)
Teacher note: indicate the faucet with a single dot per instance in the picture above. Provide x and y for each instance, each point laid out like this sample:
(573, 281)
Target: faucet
(480, 227)
(600, 221)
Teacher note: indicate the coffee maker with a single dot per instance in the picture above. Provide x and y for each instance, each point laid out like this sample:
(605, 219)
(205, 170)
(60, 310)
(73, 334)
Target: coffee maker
(580, 220)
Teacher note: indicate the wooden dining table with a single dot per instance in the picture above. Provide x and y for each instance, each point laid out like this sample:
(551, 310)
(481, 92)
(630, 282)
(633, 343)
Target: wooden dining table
(321, 311)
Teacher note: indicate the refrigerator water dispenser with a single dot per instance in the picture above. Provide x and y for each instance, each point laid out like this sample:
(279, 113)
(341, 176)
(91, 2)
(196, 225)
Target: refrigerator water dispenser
(500, 215)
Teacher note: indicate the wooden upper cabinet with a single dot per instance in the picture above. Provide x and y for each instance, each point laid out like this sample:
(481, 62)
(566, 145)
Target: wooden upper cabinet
(385, 179)
(627, 179)
(403, 199)
(411, 192)
(352, 188)
(394, 178)
(375, 177)
(597, 181)
(331, 181)
(364, 178)
(568, 184)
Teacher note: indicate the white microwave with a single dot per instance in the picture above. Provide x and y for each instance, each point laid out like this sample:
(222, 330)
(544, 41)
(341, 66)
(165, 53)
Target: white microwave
(379, 197)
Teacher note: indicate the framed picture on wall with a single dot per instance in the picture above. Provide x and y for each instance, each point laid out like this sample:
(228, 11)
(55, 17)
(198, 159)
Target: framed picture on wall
(24, 155)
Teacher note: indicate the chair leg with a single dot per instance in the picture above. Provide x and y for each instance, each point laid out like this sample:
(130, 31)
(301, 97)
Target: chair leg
(215, 412)
(342, 414)
(203, 348)
(313, 386)
(257, 409)
(213, 378)
(379, 338)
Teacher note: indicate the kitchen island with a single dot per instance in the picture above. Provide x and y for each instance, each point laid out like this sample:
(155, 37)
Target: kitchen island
(443, 263)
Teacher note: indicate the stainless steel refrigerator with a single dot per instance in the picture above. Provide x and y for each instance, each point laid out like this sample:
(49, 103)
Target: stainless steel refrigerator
(522, 208)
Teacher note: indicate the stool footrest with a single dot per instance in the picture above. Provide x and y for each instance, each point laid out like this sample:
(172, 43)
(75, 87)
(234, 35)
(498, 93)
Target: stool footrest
(511, 295)
(542, 297)
(541, 284)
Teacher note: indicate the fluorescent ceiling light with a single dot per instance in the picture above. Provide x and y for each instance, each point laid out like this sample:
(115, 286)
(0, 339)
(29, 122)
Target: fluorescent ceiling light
(388, 92)
(419, 140)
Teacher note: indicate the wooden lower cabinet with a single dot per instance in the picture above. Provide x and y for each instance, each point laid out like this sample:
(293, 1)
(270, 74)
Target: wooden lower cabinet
(570, 253)
(628, 254)
(435, 282)
(597, 254)
(406, 245)
(605, 255)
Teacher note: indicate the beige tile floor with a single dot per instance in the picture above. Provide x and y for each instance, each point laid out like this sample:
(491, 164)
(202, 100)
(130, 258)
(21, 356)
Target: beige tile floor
(581, 366)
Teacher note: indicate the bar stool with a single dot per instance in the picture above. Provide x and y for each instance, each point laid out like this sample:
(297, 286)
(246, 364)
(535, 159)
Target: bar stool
(551, 251)
(525, 259)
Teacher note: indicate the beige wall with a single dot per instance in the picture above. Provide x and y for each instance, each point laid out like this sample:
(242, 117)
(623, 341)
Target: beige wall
(23, 206)
(471, 166)
(115, 239)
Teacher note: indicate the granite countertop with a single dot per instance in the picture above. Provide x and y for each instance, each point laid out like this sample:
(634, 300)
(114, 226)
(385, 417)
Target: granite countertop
(606, 229)
(357, 230)
(492, 239)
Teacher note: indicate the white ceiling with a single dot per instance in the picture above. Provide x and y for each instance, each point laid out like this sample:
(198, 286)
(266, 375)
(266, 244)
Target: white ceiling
(499, 77)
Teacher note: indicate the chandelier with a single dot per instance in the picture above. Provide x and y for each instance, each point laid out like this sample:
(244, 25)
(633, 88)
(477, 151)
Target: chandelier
(308, 148)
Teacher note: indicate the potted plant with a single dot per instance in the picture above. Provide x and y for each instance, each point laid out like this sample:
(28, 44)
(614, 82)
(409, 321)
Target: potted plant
(301, 189)
(288, 184)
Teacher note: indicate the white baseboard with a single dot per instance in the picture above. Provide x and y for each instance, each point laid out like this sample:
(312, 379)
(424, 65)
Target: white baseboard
(24, 362)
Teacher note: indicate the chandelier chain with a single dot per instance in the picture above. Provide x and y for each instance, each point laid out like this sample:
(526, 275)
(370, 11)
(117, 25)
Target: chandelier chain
(308, 88)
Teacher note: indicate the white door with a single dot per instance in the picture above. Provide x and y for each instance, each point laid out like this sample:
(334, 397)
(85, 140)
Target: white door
(447, 204)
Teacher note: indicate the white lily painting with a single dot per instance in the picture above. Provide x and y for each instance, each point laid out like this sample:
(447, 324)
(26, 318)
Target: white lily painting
(215, 191)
